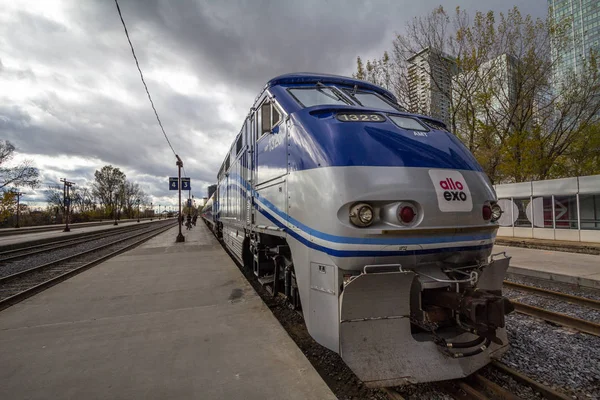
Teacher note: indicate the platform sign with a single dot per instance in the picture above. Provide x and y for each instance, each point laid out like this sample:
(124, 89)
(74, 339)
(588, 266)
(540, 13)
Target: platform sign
(173, 183)
(186, 184)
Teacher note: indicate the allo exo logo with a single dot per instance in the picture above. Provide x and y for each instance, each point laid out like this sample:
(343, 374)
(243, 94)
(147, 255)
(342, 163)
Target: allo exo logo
(453, 191)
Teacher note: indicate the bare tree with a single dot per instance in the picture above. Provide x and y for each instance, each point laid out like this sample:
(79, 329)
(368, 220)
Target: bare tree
(22, 174)
(79, 199)
(55, 197)
(132, 194)
(506, 102)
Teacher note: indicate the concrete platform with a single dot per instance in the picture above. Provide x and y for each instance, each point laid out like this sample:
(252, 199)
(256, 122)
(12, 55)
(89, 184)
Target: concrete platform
(36, 237)
(163, 321)
(575, 268)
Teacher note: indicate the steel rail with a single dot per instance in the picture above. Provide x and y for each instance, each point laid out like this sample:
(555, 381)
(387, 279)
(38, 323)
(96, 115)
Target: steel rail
(582, 301)
(561, 319)
(478, 387)
(546, 391)
(492, 387)
(460, 389)
(20, 296)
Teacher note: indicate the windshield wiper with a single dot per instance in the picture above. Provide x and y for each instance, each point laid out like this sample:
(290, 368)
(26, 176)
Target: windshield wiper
(336, 98)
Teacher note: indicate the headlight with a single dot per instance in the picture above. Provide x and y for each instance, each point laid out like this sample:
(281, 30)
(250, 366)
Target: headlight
(496, 212)
(361, 215)
(365, 214)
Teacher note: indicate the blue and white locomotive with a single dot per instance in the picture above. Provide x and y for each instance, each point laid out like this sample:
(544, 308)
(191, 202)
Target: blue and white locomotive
(376, 223)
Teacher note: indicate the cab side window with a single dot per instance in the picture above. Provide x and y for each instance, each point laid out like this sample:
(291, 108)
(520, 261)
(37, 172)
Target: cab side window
(269, 117)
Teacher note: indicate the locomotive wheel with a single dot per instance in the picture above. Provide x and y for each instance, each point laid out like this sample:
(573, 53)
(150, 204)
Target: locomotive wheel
(247, 257)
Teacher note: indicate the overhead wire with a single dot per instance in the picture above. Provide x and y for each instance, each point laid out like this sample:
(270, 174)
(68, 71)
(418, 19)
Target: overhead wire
(144, 82)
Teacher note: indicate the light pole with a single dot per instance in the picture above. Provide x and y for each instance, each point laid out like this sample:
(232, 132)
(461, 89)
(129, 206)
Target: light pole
(180, 237)
(159, 211)
(18, 194)
(67, 202)
(115, 209)
(151, 211)
(138, 206)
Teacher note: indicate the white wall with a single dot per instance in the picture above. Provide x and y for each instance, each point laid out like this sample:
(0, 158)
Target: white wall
(586, 188)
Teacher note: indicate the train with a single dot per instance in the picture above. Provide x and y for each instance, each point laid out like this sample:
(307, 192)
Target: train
(375, 223)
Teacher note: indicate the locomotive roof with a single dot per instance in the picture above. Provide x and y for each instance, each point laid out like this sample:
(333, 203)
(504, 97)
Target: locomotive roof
(309, 77)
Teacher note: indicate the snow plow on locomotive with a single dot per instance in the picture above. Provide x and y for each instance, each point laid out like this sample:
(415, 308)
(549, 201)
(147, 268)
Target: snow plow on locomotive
(378, 224)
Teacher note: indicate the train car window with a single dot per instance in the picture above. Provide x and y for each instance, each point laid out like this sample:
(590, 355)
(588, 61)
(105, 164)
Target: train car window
(227, 164)
(408, 123)
(238, 144)
(247, 126)
(367, 99)
(265, 112)
(269, 117)
(314, 96)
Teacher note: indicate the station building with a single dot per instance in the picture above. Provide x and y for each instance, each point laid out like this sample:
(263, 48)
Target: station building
(556, 209)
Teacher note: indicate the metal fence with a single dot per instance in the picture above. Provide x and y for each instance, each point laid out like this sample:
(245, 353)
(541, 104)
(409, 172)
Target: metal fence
(558, 209)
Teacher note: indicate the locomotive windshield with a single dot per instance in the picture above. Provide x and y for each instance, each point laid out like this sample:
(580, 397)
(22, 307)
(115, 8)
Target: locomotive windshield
(314, 96)
(370, 100)
(408, 123)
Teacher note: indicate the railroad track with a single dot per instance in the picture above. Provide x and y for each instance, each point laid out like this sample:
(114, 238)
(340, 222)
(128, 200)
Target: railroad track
(22, 252)
(58, 227)
(21, 285)
(568, 321)
(478, 387)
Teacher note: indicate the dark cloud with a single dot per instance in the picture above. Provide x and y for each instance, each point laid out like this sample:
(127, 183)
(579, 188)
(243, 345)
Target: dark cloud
(74, 90)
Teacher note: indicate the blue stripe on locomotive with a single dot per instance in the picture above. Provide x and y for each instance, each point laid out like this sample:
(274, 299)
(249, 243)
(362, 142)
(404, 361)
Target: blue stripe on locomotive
(373, 253)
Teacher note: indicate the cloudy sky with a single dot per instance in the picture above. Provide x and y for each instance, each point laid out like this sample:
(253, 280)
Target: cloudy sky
(71, 99)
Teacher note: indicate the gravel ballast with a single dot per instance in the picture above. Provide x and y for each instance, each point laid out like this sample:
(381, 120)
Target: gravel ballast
(560, 358)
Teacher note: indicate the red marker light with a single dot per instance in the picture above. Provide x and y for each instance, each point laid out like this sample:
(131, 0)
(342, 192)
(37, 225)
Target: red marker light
(407, 214)
(486, 212)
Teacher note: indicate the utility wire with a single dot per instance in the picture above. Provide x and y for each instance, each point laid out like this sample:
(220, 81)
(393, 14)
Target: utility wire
(143, 81)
